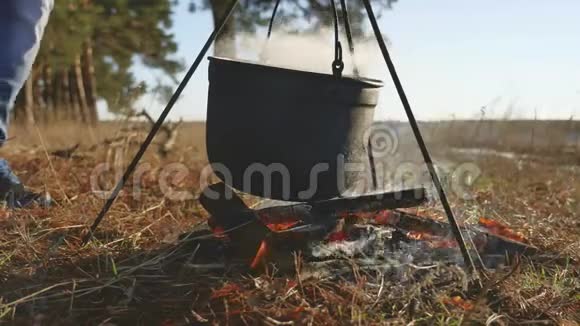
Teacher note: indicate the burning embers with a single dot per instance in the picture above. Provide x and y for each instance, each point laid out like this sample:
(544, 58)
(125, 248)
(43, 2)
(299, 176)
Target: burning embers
(499, 229)
(366, 228)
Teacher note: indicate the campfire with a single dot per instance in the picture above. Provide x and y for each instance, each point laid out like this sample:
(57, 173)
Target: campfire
(375, 230)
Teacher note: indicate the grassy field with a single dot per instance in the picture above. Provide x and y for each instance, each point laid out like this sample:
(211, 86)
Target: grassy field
(138, 270)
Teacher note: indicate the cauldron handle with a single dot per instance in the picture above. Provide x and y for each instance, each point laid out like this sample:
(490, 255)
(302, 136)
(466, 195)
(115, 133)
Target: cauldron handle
(337, 64)
(272, 19)
(348, 32)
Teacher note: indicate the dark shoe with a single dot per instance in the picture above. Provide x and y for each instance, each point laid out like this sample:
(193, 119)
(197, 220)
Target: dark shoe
(26, 198)
(13, 194)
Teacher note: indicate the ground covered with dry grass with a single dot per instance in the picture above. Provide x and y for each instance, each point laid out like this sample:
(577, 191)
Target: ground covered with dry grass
(138, 270)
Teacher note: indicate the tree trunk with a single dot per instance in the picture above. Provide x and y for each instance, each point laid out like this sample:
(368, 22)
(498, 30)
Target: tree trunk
(75, 108)
(38, 95)
(60, 105)
(48, 93)
(57, 104)
(67, 110)
(90, 81)
(80, 90)
(29, 101)
(225, 43)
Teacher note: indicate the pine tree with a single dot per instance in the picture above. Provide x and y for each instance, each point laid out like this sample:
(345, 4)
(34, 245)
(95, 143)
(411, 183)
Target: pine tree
(87, 53)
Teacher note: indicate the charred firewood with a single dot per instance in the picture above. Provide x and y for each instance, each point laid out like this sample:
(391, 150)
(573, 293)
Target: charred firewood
(169, 129)
(340, 207)
(65, 153)
(231, 216)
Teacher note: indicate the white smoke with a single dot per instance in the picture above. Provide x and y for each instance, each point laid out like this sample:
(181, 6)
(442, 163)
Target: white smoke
(311, 52)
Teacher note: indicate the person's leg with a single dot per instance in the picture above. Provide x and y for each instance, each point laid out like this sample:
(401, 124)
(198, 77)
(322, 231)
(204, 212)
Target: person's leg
(22, 24)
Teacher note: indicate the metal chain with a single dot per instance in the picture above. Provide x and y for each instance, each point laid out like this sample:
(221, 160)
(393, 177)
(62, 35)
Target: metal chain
(348, 31)
(337, 64)
(272, 18)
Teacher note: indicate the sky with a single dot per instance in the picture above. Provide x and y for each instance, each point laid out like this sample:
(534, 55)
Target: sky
(457, 59)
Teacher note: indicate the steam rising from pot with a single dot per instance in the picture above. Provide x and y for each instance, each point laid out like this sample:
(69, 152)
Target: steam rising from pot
(310, 51)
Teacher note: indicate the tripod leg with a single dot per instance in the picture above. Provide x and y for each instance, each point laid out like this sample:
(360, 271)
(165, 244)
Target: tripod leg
(131, 168)
(419, 137)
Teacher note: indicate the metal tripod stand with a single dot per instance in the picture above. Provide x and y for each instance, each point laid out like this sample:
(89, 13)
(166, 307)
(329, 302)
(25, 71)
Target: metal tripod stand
(403, 97)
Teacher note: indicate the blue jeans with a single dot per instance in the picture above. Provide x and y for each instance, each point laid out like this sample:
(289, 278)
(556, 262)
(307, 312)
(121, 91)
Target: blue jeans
(22, 24)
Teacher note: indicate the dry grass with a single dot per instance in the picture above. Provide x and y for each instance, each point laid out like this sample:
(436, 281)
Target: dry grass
(138, 271)
(522, 136)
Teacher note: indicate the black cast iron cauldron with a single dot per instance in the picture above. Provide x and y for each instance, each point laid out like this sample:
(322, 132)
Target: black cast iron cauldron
(284, 134)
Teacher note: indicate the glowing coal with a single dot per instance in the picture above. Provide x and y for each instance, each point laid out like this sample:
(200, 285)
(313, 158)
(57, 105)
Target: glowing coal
(349, 231)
